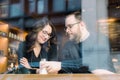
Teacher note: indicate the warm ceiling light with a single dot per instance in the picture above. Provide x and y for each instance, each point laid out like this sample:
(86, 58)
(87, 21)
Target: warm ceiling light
(111, 20)
(117, 7)
(107, 20)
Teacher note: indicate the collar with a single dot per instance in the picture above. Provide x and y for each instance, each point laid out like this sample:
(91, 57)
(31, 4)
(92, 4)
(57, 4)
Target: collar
(84, 36)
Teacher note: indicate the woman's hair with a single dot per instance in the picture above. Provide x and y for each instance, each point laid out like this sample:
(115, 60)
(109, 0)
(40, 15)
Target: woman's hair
(38, 26)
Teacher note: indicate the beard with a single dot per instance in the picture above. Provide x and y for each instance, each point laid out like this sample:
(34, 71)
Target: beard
(74, 37)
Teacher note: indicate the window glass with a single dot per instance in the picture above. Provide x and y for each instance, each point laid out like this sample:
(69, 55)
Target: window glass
(14, 1)
(74, 4)
(31, 6)
(42, 6)
(58, 5)
(3, 10)
(3, 1)
(15, 10)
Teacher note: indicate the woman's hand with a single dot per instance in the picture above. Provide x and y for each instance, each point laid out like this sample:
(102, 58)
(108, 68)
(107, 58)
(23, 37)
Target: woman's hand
(24, 62)
(52, 66)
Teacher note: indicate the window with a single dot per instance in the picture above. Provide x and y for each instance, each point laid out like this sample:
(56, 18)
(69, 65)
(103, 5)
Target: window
(3, 8)
(15, 10)
(3, 1)
(14, 1)
(74, 4)
(58, 5)
(42, 6)
(38, 6)
(31, 6)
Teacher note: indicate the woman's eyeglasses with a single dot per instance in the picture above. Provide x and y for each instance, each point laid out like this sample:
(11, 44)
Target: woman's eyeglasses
(47, 34)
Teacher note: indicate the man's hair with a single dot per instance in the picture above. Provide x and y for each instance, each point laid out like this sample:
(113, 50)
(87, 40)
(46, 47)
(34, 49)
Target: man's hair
(77, 14)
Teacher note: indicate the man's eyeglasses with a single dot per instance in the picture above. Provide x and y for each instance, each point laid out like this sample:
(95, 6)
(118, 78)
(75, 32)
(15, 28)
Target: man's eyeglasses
(47, 34)
(69, 26)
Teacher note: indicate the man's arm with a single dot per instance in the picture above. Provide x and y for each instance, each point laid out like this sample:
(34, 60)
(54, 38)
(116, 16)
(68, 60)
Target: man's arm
(66, 66)
(102, 71)
(73, 66)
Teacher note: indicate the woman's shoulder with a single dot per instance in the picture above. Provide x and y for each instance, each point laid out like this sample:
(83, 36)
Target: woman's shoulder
(22, 47)
(22, 43)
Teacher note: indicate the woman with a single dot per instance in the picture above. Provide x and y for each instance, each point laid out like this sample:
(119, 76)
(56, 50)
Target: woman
(40, 43)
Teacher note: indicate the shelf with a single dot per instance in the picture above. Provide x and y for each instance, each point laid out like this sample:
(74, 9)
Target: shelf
(3, 34)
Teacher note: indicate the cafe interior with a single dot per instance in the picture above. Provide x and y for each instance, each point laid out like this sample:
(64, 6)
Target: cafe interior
(17, 16)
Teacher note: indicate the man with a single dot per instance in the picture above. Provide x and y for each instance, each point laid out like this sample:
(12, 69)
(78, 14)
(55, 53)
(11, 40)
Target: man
(76, 59)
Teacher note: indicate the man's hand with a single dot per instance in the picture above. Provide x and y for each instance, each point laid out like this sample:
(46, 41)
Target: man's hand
(51, 66)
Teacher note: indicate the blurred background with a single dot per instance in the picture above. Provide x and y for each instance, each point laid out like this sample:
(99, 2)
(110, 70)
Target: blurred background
(17, 17)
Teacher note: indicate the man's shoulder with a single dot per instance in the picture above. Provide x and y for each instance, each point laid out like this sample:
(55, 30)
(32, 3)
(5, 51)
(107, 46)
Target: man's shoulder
(69, 43)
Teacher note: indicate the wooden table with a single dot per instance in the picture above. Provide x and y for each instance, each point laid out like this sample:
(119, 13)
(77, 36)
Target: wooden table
(58, 77)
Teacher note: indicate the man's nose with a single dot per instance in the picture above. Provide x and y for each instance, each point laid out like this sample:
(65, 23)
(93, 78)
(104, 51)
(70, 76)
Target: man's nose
(67, 30)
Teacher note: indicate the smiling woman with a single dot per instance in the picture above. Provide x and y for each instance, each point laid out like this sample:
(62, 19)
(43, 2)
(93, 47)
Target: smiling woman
(40, 42)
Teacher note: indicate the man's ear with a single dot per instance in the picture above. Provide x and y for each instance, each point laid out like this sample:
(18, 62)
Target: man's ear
(82, 24)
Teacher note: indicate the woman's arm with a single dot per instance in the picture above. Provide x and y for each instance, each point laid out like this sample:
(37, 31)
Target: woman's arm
(24, 62)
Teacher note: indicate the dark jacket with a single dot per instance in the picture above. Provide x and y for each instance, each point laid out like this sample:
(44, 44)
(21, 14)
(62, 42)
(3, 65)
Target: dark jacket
(92, 58)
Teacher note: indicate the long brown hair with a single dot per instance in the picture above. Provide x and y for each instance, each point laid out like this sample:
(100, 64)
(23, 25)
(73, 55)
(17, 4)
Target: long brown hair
(38, 26)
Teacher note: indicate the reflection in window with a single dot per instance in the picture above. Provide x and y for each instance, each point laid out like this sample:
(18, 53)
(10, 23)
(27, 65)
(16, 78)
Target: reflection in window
(31, 6)
(58, 5)
(15, 10)
(42, 6)
(74, 4)
(3, 10)
(3, 1)
(14, 1)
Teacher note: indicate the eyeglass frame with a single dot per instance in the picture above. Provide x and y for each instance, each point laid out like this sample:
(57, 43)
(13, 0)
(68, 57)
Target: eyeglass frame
(70, 26)
(46, 33)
